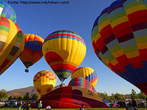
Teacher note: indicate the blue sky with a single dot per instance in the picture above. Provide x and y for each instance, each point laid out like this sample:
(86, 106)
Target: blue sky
(43, 19)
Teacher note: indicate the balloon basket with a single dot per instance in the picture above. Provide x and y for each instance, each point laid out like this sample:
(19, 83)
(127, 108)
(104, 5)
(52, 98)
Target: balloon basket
(26, 70)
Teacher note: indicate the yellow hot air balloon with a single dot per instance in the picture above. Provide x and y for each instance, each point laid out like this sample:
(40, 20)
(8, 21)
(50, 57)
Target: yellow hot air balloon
(44, 81)
(87, 73)
(64, 51)
(11, 43)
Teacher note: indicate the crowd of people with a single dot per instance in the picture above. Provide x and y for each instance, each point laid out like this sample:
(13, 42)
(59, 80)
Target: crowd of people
(129, 104)
(26, 105)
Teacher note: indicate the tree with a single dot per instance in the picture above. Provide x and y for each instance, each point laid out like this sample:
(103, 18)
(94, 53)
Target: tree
(112, 97)
(103, 96)
(14, 98)
(119, 97)
(134, 95)
(26, 97)
(3, 94)
(142, 95)
(10, 98)
(34, 97)
(20, 97)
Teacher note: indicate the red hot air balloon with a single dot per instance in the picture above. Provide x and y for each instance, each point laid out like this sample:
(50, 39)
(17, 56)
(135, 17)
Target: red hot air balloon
(119, 39)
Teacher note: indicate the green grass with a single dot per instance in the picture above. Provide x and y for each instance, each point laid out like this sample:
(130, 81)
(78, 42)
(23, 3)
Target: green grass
(7, 108)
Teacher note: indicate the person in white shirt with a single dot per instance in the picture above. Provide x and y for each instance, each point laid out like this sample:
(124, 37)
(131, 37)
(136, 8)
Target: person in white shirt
(48, 107)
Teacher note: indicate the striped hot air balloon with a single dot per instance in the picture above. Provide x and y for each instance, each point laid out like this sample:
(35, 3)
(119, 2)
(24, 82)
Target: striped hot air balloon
(64, 51)
(7, 11)
(82, 83)
(44, 81)
(11, 43)
(32, 51)
(87, 73)
(119, 39)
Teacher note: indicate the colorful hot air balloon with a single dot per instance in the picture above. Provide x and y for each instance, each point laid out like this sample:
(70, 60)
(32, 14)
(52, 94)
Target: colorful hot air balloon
(87, 73)
(71, 97)
(82, 83)
(32, 51)
(64, 51)
(11, 43)
(7, 11)
(119, 39)
(44, 81)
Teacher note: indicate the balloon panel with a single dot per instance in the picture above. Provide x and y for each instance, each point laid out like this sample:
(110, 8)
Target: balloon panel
(82, 83)
(119, 39)
(32, 51)
(87, 73)
(11, 43)
(64, 51)
(7, 11)
(44, 81)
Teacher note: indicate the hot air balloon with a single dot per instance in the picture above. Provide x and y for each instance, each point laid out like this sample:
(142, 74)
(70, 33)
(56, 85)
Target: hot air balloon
(44, 81)
(32, 51)
(7, 11)
(87, 73)
(71, 97)
(11, 43)
(64, 51)
(82, 83)
(119, 39)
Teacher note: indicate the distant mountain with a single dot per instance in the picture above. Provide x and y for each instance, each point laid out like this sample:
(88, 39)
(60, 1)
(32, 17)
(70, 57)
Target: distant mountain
(22, 91)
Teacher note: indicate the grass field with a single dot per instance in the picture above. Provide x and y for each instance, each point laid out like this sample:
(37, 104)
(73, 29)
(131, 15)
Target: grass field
(76, 109)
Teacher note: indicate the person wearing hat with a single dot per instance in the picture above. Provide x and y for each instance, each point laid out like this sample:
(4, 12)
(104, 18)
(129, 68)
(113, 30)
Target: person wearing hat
(40, 105)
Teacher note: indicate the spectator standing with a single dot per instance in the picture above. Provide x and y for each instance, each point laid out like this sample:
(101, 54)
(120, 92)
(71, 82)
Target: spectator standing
(29, 106)
(40, 105)
(48, 107)
(19, 105)
(82, 107)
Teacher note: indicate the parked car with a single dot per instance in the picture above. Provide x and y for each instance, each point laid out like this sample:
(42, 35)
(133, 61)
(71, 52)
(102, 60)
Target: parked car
(2, 104)
(7, 103)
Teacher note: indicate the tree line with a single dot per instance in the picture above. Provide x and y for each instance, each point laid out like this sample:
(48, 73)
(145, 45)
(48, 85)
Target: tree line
(117, 96)
(27, 96)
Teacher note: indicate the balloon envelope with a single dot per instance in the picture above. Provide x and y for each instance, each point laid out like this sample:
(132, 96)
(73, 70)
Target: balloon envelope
(44, 81)
(11, 43)
(87, 73)
(119, 39)
(7, 11)
(32, 51)
(64, 51)
(71, 97)
(82, 83)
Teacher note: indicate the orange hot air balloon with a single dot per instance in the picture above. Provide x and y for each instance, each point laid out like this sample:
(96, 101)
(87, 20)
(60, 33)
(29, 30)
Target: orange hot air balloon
(44, 81)
(32, 51)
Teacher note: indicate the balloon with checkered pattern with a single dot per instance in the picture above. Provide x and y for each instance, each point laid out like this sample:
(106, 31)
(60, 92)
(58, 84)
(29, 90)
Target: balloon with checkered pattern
(119, 39)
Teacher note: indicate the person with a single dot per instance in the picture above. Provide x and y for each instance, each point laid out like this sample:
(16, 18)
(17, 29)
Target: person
(29, 106)
(40, 105)
(134, 104)
(48, 107)
(25, 104)
(82, 107)
(129, 107)
(15, 104)
(19, 105)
